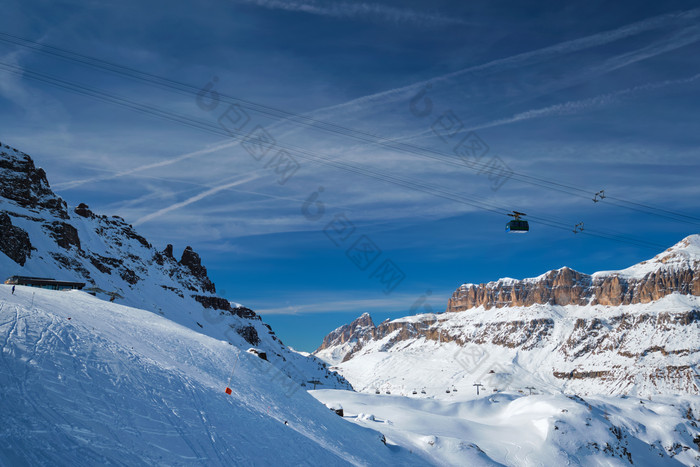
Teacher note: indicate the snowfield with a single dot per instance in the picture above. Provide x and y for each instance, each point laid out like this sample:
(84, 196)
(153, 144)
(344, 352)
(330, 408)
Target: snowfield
(542, 429)
(88, 382)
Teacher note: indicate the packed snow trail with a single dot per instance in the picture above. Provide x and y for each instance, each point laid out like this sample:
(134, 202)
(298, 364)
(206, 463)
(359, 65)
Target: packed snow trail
(87, 382)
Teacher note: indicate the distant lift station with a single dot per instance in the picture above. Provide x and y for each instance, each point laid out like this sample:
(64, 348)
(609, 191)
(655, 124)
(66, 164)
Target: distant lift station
(44, 283)
(517, 225)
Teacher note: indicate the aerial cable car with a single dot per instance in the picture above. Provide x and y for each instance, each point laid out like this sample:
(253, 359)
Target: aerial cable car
(517, 225)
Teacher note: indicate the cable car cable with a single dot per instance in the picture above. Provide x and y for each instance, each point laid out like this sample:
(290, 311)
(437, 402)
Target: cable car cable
(183, 88)
(413, 184)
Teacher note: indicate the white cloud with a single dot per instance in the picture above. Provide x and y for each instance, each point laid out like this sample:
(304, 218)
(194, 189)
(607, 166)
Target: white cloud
(194, 199)
(574, 107)
(526, 58)
(359, 10)
(400, 302)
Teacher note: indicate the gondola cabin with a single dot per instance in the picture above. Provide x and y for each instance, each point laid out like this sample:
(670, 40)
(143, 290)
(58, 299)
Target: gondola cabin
(517, 225)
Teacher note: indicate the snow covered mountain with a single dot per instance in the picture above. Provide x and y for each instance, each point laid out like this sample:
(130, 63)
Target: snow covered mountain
(87, 382)
(675, 270)
(634, 331)
(42, 236)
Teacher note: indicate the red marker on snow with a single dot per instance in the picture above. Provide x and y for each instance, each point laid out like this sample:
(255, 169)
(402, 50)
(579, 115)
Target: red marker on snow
(228, 389)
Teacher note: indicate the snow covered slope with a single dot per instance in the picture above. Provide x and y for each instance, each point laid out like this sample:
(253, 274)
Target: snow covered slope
(642, 339)
(41, 236)
(88, 382)
(529, 430)
(629, 349)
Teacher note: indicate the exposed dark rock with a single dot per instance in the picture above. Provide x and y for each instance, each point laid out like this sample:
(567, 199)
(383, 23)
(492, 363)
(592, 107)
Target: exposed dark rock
(244, 312)
(129, 232)
(99, 265)
(250, 335)
(191, 260)
(23, 183)
(262, 355)
(177, 291)
(165, 255)
(14, 241)
(129, 276)
(105, 263)
(168, 252)
(218, 303)
(84, 211)
(71, 263)
(65, 234)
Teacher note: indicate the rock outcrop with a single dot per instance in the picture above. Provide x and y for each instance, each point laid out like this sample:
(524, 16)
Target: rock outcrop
(675, 270)
(39, 236)
(615, 332)
(360, 327)
(14, 241)
(23, 183)
(191, 260)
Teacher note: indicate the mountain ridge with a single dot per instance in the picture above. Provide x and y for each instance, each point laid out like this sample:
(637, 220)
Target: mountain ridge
(42, 236)
(675, 270)
(562, 329)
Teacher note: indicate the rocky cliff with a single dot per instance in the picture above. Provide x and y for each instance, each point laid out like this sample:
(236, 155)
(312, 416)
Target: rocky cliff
(631, 331)
(40, 235)
(675, 270)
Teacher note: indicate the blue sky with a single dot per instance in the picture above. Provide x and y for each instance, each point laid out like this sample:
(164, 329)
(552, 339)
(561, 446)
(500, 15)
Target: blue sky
(584, 94)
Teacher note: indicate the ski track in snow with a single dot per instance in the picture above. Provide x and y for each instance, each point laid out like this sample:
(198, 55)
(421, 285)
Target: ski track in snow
(120, 386)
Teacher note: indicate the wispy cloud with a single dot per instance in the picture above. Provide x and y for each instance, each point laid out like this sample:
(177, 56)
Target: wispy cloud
(372, 11)
(683, 38)
(513, 61)
(194, 199)
(574, 107)
(523, 59)
(400, 302)
(134, 170)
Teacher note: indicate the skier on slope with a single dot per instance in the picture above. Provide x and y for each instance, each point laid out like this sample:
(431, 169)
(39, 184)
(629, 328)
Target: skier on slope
(13, 290)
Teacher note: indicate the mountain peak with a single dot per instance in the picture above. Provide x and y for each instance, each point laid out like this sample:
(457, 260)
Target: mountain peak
(343, 339)
(40, 237)
(689, 248)
(25, 184)
(364, 320)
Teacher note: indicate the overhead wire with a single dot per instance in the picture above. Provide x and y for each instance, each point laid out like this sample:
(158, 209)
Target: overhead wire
(360, 135)
(406, 182)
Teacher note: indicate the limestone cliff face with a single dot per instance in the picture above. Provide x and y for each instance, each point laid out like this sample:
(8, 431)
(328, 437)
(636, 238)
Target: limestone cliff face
(345, 333)
(520, 333)
(675, 270)
(633, 330)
